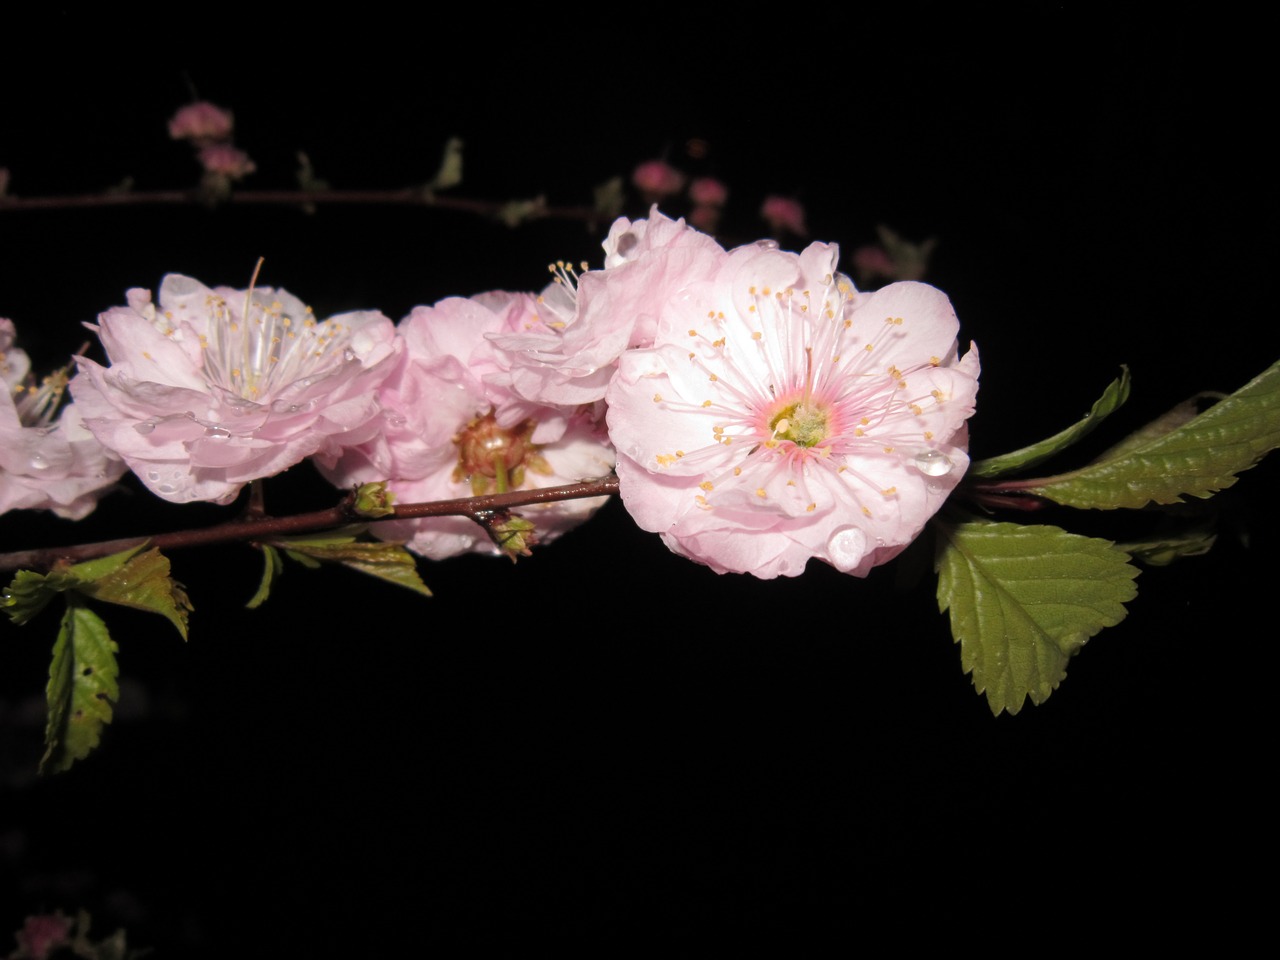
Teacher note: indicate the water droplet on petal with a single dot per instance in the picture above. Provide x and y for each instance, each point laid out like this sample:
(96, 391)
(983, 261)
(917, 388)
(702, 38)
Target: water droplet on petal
(348, 354)
(846, 548)
(933, 463)
(217, 433)
(38, 462)
(145, 427)
(153, 475)
(767, 244)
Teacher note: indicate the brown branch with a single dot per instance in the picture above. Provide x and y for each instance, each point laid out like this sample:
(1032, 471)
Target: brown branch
(261, 527)
(409, 196)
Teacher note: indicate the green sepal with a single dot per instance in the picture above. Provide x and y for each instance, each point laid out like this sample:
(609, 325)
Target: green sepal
(1175, 457)
(82, 688)
(272, 567)
(1023, 599)
(383, 559)
(1112, 399)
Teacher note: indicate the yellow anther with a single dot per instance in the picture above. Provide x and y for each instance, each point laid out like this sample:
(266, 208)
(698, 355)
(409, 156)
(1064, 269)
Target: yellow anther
(737, 471)
(657, 398)
(706, 403)
(756, 335)
(706, 485)
(866, 512)
(760, 493)
(889, 491)
(811, 507)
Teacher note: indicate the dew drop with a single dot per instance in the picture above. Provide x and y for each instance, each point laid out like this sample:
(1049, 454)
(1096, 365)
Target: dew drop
(846, 547)
(394, 419)
(217, 433)
(767, 244)
(153, 475)
(166, 488)
(145, 427)
(348, 354)
(38, 462)
(933, 463)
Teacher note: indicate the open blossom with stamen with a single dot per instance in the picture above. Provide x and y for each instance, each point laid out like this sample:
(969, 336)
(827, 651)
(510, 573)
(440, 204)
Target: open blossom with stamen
(453, 427)
(782, 415)
(213, 388)
(46, 463)
(586, 321)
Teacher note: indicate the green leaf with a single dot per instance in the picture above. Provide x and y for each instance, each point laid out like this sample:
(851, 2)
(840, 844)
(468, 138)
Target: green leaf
(1112, 399)
(272, 567)
(383, 559)
(82, 688)
(1162, 551)
(1197, 458)
(137, 580)
(1023, 599)
(29, 593)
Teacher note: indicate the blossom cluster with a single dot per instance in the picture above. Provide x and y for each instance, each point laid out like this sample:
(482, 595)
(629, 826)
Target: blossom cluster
(759, 410)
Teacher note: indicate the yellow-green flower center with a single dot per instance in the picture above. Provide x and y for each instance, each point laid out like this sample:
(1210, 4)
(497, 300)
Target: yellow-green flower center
(804, 424)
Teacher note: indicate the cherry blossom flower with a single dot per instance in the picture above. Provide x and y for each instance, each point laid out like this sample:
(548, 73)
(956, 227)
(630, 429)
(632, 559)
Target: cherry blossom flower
(708, 191)
(587, 320)
(784, 215)
(225, 161)
(453, 427)
(46, 463)
(657, 180)
(782, 415)
(202, 122)
(219, 387)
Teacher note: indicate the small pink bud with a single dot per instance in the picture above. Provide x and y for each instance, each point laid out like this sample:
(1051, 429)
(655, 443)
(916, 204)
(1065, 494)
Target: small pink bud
(201, 121)
(657, 179)
(708, 191)
(41, 935)
(783, 214)
(226, 161)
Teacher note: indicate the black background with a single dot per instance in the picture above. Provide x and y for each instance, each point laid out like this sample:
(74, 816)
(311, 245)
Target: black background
(605, 740)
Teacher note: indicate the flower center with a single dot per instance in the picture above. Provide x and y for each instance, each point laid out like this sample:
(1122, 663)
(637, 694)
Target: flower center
(258, 355)
(494, 459)
(36, 405)
(803, 423)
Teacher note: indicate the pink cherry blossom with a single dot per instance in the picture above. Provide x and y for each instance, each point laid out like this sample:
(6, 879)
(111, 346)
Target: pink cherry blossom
(586, 321)
(225, 161)
(46, 463)
(708, 191)
(201, 121)
(657, 179)
(781, 415)
(219, 387)
(453, 427)
(784, 215)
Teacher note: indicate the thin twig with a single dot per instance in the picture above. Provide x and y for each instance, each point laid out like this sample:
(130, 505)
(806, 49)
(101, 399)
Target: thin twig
(259, 528)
